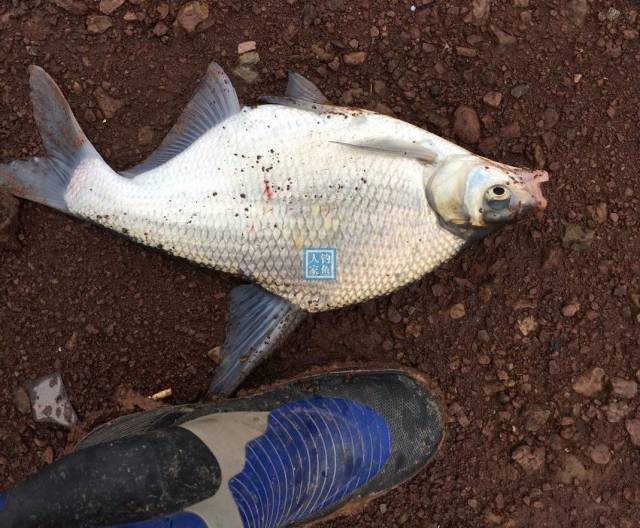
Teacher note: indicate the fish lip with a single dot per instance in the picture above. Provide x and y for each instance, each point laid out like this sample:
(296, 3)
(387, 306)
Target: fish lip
(532, 182)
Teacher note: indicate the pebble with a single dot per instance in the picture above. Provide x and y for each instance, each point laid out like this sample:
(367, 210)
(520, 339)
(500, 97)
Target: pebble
(492, 99)
(191, 15)
(457, 311)
(109, 105)
(633, 428)
(504, 39)
(520, 90)
(250, 58)
(569, 310)
(466, 52)
(355, 58)
(480, 11)
(590, 383)
(9, 208)
(246, 72)
(600, 454)
(21, 401)
(511, 131)
(160, 29)
(109, 6)
(245, 47)
(615, 412)
(467, 125)
(571, 470)
(624, 388)
(145, 135)
(527, 325)
(50, 403)
(577, 11)
(536, 419)
(531, 460)
(550, 118)
(75, 7)
(97, 24)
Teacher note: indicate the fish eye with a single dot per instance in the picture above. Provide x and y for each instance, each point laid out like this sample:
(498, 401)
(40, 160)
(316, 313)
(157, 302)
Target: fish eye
(498, 192)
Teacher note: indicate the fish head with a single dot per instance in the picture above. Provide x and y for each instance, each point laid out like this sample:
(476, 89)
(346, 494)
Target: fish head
(475, 193)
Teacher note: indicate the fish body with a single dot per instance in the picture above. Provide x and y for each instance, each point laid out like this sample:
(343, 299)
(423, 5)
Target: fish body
(318, 206)
(249, 197)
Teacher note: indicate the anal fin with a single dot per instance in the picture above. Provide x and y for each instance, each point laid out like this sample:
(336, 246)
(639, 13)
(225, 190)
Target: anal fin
(258, 322)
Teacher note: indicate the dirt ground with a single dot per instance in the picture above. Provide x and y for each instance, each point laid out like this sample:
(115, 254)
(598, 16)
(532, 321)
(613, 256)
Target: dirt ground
(536, 437)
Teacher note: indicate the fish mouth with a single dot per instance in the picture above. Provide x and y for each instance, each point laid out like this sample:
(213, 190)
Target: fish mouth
(532, 182)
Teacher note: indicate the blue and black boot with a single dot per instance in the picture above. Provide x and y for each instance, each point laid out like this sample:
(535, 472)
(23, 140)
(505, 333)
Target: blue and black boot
(295, 453)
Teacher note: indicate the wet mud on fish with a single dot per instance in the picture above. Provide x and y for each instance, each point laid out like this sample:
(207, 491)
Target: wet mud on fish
(511, 330)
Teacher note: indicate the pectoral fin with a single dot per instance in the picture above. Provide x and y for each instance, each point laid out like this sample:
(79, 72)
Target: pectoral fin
(406, 149)
(258, 322)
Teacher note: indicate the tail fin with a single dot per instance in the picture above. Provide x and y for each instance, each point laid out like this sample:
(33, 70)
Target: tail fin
(44, 180)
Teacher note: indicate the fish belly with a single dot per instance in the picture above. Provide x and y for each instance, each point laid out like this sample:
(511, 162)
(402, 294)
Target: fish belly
(271, 193)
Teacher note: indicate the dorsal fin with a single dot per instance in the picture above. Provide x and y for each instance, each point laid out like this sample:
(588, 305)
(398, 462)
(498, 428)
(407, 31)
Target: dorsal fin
(301, 93)
(214, 101)
(301, 88)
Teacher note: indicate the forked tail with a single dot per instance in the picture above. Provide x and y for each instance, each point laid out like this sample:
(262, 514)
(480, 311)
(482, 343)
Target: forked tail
(45, 180)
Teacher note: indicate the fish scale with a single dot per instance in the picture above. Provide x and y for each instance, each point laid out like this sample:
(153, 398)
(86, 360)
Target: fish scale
(251, 191)
(371, 208)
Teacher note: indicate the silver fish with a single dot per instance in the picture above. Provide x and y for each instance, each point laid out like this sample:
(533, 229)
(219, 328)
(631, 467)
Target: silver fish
(319, 206)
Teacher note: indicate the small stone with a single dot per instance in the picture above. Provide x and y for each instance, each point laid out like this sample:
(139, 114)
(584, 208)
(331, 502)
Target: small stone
(631, 34)
(590, 383)
(160, 29)
(191, 15)
(504, 39)
(492, 99)
(355, 58)
(480, 11)
(145, 135)
(550, 118)
(613, 14)
(577, 11)
(511, 131)
(466, 52)
(569, 310)
(50, 403)
(9, 208)
(21, 401)
(600, 454)
(163, 10)
(467, 125)
(457, 311)
(624, 388)
(633, 428)
(109, 105)
(520, 90)
(247, 73)
(632, 494)
(97, 24)
(577, 237)
(571, 470)
(531, 460)
(536, 419)
(109, 6)
(245, 47)
(615, 412)
(47, 455)
(214, 354)
(527, 325)
(75, 7)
